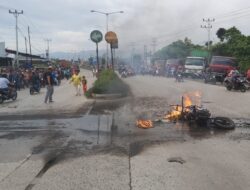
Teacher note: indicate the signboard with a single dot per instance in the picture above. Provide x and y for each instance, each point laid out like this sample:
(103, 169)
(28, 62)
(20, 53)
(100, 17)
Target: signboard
(199, 53)
(96, 36)
(110, 37)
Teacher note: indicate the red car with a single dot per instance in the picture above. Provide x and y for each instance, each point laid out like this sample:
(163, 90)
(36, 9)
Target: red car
(221, 66)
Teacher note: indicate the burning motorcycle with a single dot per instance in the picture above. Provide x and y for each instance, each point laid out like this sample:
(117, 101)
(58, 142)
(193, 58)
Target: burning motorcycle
(237, 83)
(7, 95)
(190, 112)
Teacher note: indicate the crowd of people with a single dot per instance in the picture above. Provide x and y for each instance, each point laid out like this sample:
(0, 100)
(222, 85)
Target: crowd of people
(24, 78)
(38, 78)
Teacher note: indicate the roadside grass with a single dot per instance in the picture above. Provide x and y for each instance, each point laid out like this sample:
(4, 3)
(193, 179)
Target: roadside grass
(108, 83)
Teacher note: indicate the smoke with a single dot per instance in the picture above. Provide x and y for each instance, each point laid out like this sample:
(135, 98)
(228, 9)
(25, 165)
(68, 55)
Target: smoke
(167, 21)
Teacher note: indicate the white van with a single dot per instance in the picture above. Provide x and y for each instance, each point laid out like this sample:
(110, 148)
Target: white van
(194, 66)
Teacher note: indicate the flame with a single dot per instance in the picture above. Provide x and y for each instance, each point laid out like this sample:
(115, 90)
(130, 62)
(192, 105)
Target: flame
(145, 124)
(189, 99)
(174, 114)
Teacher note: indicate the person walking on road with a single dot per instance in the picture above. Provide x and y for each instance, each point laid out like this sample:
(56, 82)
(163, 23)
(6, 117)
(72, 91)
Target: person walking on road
(50, 85)
(77, 80)
(84, 84)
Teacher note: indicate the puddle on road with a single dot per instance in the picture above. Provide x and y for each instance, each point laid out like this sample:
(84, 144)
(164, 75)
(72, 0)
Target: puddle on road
(109, 128)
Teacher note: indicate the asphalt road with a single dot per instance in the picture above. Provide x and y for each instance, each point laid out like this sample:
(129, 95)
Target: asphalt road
(214, 97)
(102, 148)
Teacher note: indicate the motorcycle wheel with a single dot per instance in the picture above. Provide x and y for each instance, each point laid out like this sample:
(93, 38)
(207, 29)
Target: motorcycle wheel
(14, 96)
(214, 81)
(223, 123)
(243, 88)
(229, 87)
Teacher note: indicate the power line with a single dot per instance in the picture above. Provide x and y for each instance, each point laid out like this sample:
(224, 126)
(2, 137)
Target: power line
(5, 7)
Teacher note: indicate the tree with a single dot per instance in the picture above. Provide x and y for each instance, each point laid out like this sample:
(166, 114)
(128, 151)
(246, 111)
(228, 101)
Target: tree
(221, 34)
(178, 49)
(233, 43)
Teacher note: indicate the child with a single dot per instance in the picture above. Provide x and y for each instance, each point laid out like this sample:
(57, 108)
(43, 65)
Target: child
(84, 84)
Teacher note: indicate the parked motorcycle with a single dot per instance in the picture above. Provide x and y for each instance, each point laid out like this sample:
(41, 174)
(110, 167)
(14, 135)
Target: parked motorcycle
(7, 95)
(209, 78)
(240, 83)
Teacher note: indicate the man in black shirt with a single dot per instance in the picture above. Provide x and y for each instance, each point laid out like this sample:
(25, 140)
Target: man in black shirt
(50, 85)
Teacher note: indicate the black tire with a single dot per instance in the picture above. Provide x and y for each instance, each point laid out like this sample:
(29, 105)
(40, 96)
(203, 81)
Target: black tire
(223, 123)
(214, 82)
(14, 96)
(229, 87)
(243, 88)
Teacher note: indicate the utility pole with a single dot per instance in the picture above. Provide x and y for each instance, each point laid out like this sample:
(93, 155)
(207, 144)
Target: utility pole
(30, 45)
(16, 14)
(26, 49)
(208, 26)
(47, 52)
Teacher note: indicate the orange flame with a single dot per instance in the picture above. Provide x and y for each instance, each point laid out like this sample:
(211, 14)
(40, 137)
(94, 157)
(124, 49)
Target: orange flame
(145, 124)
(174, 114)
(176, 111)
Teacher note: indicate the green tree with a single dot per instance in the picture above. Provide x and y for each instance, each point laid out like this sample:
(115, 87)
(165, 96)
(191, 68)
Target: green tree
(178, 49)
(221, 34)
(233, 43)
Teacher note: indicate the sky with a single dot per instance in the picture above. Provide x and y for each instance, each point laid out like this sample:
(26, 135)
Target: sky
(68, 23)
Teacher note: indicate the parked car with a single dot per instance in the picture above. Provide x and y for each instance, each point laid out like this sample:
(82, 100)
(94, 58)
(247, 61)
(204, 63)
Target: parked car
(221, 66)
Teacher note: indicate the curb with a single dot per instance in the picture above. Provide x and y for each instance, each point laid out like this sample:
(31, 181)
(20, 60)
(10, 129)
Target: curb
(107, 96)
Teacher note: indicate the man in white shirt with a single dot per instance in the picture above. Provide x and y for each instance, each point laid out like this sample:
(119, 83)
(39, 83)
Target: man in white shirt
(4, 84)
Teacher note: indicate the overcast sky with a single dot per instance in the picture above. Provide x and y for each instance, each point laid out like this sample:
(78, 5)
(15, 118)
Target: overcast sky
(69, 22)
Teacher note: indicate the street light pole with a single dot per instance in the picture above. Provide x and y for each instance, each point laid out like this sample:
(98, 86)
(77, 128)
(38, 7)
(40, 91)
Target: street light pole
(48, 41)
(16, 14)
(107, 45)
(107, 28)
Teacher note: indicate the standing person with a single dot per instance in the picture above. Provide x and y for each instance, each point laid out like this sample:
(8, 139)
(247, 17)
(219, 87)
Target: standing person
(77, 80)
(35, 81)
(84, 84)
(50, 85)
(26, 79)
